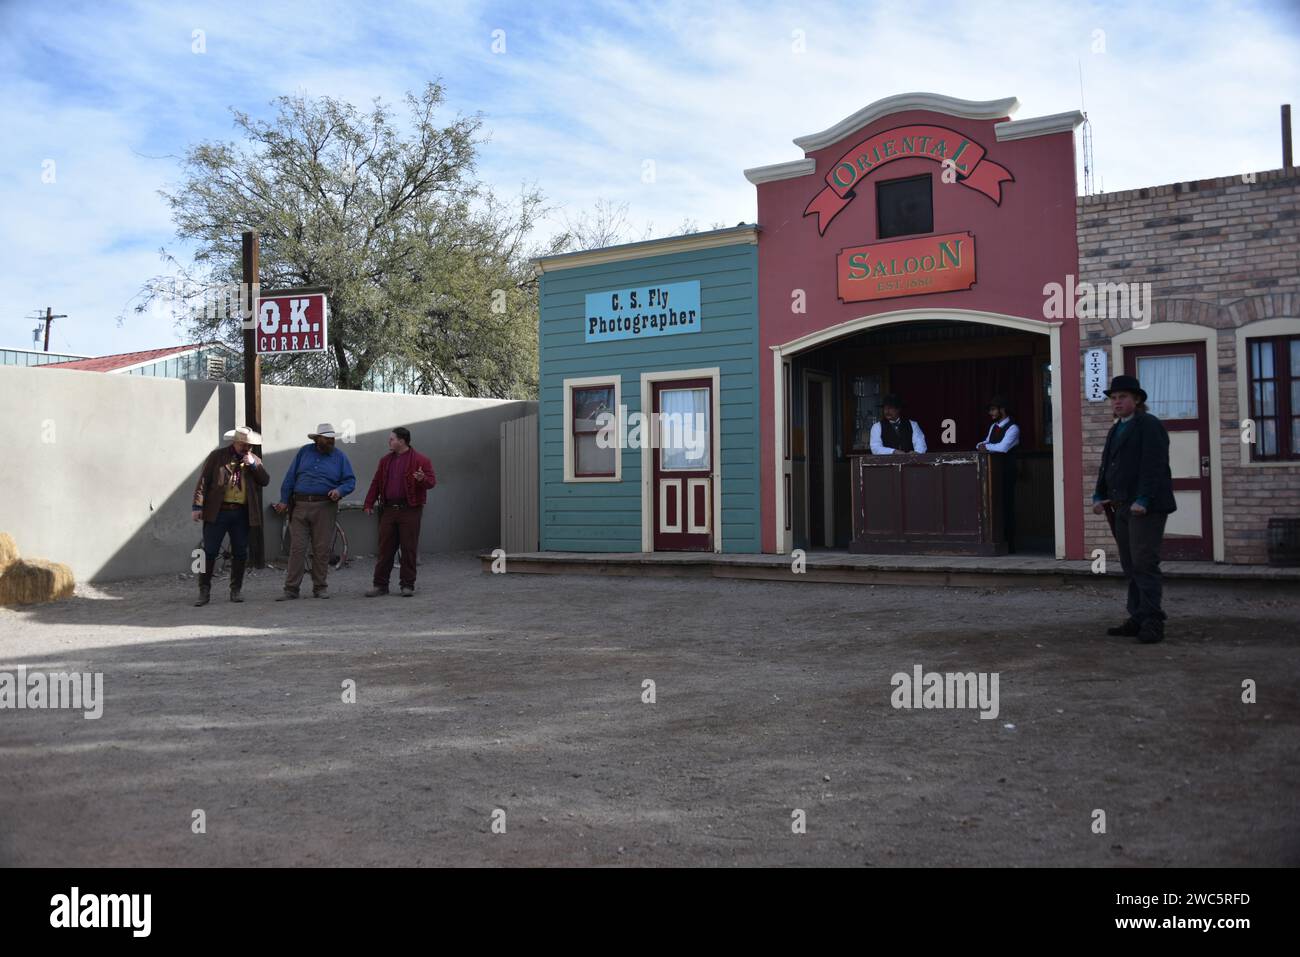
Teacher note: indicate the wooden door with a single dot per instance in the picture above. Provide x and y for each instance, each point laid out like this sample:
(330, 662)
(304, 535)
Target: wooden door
(683, 466)
(1174, 377)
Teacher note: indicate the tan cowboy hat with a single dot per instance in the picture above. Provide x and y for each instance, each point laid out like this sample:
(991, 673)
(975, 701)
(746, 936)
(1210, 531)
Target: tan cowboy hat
(242, 433)
(323, 431)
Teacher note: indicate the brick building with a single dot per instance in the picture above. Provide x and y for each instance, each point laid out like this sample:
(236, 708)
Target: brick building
(1223, 260)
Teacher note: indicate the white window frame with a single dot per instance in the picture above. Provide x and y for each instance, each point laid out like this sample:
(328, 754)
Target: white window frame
(570, 464)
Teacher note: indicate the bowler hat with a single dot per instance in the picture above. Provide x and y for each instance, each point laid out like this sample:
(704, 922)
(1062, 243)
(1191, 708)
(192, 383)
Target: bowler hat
(892, 399)
(1126, 383)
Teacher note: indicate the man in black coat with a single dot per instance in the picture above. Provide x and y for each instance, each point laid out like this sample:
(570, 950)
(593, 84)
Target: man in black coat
(1134, 485)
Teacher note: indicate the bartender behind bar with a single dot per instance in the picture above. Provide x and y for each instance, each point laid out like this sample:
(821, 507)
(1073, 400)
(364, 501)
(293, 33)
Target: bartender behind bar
(1003, 437)
(893, 433)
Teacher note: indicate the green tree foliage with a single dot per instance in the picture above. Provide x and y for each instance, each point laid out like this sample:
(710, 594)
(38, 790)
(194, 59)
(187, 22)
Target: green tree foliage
(426, 268)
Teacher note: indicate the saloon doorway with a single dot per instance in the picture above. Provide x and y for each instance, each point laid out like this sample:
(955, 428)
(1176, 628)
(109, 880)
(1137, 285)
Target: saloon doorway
(945, 372)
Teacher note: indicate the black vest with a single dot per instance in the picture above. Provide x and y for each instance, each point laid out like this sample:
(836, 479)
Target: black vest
(896, 435)
(999, 432)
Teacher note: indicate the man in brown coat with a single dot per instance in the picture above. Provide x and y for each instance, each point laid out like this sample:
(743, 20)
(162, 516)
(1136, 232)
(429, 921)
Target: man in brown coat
(228, 500)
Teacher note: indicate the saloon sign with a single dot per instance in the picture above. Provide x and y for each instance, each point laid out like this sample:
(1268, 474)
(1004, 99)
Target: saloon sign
(906, 267)
(291, 322)
(964, 157)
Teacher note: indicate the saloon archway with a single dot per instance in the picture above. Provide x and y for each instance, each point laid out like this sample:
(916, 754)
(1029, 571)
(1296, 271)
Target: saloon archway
(946, 362)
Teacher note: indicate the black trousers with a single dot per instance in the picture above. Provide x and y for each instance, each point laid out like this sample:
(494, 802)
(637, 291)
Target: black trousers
(232, 522)
(1139, 538)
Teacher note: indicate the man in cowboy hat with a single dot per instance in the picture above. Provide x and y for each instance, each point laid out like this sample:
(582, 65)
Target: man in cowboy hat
(893, 433)
(319, 476)
(1003, 437)
(1135, 486)
(228, 500)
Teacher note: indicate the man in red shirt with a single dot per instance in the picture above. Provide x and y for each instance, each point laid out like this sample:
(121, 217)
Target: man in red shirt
(401, 482)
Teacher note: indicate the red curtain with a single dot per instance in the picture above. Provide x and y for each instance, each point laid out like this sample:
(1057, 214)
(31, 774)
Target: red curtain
(960, 390)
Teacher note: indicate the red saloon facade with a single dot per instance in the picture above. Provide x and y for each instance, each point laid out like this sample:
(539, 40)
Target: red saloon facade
(862, 293)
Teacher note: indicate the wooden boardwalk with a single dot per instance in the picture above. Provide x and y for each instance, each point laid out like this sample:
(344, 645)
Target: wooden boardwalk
(1007, 571)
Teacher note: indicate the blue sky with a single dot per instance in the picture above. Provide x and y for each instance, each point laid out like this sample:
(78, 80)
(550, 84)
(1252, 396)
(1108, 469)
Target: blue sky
(581, 97)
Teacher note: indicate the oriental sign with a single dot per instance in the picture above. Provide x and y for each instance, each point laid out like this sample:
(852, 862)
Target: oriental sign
(906, 267)
(964, 157)
(643, 313)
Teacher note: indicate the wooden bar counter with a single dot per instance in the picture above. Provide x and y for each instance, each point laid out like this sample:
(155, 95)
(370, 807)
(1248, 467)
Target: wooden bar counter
(933, 503)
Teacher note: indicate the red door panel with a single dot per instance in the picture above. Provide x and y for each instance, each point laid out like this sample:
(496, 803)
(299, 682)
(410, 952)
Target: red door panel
(1174, 378)
(682, 479)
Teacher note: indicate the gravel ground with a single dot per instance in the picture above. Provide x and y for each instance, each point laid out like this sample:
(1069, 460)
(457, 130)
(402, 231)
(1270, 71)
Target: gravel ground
(523, 694)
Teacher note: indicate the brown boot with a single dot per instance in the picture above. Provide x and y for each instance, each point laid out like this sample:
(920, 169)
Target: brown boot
(237, 566)
(205, 588)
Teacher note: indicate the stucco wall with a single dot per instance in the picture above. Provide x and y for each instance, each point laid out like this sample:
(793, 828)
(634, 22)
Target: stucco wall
(99, 470)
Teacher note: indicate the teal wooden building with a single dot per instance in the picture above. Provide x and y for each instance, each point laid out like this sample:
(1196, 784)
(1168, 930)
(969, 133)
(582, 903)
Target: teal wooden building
(648, 413)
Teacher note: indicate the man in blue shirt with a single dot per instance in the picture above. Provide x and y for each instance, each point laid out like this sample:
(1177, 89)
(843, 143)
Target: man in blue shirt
(319, 476)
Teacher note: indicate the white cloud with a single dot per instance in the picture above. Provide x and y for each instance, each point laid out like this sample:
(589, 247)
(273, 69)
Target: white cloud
(583, 95)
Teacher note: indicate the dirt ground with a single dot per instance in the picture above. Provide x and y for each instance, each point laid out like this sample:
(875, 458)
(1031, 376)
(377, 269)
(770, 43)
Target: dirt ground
(523, 693)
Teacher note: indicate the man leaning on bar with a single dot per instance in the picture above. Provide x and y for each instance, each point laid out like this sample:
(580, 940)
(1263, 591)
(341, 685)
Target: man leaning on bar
(894, 433)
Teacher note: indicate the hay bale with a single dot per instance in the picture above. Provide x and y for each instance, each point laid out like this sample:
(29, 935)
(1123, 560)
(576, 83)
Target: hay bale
(8, 550)
(31, 580)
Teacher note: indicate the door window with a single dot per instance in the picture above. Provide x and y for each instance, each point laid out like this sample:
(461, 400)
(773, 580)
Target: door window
(1170, 384)
(685, 443)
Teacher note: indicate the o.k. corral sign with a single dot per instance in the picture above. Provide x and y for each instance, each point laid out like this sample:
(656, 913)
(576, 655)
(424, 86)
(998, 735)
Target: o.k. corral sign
(644, 312)
(289, 321)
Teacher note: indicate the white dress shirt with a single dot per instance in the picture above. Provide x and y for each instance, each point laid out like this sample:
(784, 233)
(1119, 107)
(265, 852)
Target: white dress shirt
(918, 440)
(1009, 440)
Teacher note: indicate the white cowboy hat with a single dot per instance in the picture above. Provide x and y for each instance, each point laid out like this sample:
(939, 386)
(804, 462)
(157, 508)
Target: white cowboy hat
(323, 431)
(242, 433)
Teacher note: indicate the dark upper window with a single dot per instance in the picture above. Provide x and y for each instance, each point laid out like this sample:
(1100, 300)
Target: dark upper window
(904, 206)
(1275, 397)
(590, 460)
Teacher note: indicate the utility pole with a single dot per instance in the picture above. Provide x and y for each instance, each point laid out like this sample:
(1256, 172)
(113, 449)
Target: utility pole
(252, 374)
(49, 319)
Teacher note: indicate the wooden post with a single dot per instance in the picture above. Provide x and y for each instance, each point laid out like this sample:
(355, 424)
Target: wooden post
(252, 378)
(49, 320)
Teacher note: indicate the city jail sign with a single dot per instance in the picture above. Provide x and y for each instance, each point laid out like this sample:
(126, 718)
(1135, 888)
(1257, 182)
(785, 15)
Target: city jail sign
(643, 313)
(906, 267)
(291, 322)
(954, 152)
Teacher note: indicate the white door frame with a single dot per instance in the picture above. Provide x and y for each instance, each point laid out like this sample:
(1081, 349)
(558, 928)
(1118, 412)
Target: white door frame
(650, 443)
(828, 459)
(781, 354)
